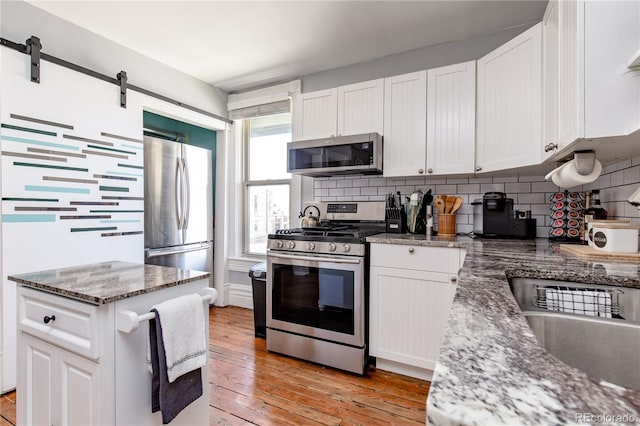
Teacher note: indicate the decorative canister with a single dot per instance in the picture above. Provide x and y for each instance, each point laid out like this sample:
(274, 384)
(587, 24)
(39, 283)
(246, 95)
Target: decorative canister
(615, 238)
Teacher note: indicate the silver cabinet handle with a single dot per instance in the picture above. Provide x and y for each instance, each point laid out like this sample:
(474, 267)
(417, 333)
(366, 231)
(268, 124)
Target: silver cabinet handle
(411, 250)
(429, 170)
(478, 168)
(421, 171)
(550, 147)
(454, 280)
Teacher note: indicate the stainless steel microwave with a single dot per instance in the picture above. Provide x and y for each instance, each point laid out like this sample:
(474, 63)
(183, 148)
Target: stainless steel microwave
(341, 155)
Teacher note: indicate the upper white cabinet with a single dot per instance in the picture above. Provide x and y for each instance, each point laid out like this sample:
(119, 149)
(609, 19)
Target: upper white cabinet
(598, 95)
(550, 80)
(451, 119)
(315, 115)
(345, 110)
(405, 125)
(510, 104)
(360, 108)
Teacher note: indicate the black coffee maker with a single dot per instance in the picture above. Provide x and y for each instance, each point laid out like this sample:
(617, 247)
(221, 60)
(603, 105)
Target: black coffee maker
(498, 219)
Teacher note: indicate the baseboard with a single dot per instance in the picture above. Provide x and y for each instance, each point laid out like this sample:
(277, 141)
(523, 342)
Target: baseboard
(404, 369)
(239, 295)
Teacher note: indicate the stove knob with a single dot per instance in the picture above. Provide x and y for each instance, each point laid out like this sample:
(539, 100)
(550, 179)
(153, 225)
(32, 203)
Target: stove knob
(279, 244)
(291, 245)
(311, 246)
(332, 247)
(346, 248)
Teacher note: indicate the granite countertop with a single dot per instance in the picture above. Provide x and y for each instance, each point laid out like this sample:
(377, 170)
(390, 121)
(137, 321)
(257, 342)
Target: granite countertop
(491, 369)
(107, 282)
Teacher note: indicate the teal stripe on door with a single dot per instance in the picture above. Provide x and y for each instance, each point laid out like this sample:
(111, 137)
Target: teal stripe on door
(40, 188)
(125, 174)
(111, 149)
(102, 228)
(114, 188)
(131, 166)
(14, 218)
(132, 146)
(43, 143)
(46, 166)
(55, 200)
(27, 129)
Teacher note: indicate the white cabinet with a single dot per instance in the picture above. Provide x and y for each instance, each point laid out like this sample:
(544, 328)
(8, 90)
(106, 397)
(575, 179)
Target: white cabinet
(405, 125)
(411, 292)
(550, 80)
(61, 388)
(451, 119)
(510, 104)
(316, 114)
(77, 369)
(345, 110)
(598, 96)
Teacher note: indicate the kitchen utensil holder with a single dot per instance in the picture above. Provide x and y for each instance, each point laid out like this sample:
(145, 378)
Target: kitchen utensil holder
(446, 224)
(395, 220)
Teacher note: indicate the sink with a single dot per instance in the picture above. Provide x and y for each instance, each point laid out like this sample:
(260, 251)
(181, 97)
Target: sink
(594, 328)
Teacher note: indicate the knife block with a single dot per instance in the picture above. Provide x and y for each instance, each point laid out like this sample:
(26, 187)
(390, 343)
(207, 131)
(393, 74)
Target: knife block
(396, 221)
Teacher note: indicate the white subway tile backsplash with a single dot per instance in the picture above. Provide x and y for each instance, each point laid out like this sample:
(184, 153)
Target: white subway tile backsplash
(617, 183)
(516, 188)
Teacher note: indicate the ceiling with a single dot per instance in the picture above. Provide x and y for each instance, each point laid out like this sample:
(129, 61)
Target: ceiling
(235, 45)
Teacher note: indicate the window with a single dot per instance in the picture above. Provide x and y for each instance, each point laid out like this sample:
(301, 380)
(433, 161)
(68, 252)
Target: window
(266, 181)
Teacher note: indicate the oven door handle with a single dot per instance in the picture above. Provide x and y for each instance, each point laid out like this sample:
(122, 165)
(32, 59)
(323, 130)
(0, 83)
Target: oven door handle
(317, 259)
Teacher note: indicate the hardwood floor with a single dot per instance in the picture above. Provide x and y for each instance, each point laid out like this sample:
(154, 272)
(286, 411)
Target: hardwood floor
(249, 385)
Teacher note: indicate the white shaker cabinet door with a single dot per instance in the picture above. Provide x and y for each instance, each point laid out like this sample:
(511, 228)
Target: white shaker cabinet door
(550, 98)
(360, 108)
(36, 383)
(405, 125)
(451, 119)
(79, 390)
(510, 104)
(316, 114)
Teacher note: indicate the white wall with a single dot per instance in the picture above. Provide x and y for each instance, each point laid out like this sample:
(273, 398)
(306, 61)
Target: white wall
(20, 20)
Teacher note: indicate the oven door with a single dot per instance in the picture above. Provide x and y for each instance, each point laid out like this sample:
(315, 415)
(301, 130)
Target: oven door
(317, 296)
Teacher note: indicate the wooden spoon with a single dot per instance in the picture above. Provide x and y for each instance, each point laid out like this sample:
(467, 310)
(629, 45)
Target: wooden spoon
(439, 203)
(448, 204)
(456, 205)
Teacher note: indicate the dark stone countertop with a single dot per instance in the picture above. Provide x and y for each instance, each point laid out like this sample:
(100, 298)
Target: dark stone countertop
(107, 282)
(491, 369)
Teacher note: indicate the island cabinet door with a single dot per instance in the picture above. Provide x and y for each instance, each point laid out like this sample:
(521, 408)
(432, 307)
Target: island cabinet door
(56, 387)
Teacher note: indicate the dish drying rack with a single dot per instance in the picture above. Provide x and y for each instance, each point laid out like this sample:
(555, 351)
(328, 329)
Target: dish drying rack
(586, 301)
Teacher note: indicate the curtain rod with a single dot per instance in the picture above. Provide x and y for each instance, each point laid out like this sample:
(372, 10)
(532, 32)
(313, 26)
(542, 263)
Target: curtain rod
(22, 48)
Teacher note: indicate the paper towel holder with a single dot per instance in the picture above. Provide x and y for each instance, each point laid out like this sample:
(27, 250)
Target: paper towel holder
(585, 161)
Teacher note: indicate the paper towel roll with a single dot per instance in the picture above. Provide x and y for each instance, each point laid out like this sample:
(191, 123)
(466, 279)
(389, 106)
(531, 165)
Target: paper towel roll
(567, 176)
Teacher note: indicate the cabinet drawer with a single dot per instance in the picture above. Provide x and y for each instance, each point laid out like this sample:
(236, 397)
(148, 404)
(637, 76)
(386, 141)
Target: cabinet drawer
(416, 257)
(75, 327)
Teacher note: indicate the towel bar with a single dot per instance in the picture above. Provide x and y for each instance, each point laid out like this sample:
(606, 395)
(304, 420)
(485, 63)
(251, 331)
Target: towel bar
(128, 321)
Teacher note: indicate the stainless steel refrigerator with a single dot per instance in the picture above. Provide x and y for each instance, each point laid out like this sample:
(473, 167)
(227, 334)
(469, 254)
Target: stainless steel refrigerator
(178, 228)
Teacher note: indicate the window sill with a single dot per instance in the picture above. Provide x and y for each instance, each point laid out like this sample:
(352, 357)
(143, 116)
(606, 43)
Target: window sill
(244, 263)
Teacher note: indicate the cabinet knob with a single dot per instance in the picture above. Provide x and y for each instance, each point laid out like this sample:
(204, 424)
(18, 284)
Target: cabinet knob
(430, 170)
(478, 168)
(550, 147)
(411, 250)
(47, 319)
(454, 280)
(421, 171)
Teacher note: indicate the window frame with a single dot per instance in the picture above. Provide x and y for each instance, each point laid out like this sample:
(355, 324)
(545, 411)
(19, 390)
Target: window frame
(247, 183)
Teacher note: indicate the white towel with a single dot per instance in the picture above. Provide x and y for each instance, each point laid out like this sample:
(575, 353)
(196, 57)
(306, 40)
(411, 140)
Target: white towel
(583, 302)
(183, 334)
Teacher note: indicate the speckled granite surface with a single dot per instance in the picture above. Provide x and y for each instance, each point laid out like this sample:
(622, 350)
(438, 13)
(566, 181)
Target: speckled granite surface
(107, 282)
(491, 370)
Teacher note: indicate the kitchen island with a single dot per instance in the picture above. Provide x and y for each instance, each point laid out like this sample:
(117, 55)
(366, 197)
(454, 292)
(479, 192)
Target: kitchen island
(491, 369)
(81, 346)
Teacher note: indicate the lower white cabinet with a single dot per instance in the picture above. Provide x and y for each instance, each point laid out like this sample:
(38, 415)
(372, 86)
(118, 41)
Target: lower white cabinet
(411, 292)
(61, 388)
(79, 369)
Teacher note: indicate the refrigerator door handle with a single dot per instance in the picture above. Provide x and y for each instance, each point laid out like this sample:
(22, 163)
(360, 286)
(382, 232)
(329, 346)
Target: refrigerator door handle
(187, 194)
(157, 253)
(178, 193)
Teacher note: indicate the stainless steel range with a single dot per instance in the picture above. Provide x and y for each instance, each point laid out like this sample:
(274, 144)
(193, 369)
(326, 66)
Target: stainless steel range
(317, 286)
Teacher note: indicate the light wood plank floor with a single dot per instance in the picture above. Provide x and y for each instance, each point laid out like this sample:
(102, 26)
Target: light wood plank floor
(249, 385)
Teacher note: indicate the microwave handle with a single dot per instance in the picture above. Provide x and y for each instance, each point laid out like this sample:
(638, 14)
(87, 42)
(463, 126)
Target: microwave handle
(317, 259)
